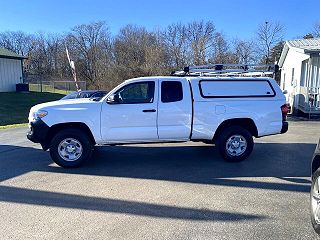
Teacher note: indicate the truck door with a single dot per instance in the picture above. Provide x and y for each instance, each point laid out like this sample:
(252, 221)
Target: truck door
(174, 110)
(131, 115)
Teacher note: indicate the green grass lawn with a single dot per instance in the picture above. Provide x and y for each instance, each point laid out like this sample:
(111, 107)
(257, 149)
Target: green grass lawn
(14, 107)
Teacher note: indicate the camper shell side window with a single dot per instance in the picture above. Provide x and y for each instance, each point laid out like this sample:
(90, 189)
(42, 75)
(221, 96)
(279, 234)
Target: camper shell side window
(236, 88)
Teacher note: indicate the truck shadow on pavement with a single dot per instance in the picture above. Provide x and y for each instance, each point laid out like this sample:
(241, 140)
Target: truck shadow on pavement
(203, 165)
(289, 163)
(193, 164)
(72, 201)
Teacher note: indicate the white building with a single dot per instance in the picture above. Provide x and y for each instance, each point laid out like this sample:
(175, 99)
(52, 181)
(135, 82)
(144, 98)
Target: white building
(11, 70)
(300, 74)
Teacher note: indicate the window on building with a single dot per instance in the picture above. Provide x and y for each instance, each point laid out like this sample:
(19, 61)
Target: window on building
(292, 78)
(304, 70)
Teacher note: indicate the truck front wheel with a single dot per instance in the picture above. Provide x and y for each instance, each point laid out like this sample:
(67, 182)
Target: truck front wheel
(70, 148)
(235, 143)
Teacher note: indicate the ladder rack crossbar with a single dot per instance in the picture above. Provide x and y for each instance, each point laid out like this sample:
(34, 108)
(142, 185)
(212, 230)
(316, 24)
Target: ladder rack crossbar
(223, 69)
(228, 71)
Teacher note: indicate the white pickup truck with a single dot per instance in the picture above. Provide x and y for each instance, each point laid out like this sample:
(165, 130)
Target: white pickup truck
(227, 111)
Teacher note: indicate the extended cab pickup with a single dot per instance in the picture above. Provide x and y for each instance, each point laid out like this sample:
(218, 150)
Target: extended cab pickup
(227, 111)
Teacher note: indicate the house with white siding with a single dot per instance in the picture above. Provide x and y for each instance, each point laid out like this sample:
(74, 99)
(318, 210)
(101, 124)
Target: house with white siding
(300, 74)
(11, 70)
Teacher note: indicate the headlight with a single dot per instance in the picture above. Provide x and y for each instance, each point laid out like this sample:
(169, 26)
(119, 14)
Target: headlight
(39, 114)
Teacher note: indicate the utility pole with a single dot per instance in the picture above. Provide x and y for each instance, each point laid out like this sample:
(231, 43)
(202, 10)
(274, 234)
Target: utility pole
(73, 70)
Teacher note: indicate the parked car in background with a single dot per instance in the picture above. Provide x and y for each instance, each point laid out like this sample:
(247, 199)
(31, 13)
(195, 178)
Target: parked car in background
(315, 189)
(85, 94)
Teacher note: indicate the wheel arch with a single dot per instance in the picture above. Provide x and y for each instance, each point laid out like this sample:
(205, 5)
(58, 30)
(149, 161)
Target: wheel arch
(246, 123)
(54, 129)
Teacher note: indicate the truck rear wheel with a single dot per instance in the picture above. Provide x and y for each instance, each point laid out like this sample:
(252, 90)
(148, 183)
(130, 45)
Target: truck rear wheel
(235, 144)
(70, 148)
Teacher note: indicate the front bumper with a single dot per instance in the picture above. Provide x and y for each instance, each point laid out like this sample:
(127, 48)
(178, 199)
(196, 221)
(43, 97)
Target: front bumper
(285, 127)
(38, 132)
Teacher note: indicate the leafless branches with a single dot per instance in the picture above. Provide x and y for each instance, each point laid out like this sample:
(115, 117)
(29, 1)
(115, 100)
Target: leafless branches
(244, 51)
(175, 38)
(316, 29)
(268, 35)
(103, 60)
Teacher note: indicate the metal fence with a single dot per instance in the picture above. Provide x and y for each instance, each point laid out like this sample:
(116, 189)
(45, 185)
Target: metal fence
(63, 87)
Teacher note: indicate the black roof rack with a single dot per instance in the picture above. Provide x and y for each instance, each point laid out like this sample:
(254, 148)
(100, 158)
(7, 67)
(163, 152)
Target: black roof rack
(228, 70)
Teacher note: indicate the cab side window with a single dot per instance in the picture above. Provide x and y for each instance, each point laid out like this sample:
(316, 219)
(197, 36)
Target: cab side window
(171, 91)
(141, 92)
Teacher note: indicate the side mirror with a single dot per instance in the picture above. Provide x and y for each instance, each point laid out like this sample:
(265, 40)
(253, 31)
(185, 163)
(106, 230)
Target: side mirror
(113, 99)
(284, 91)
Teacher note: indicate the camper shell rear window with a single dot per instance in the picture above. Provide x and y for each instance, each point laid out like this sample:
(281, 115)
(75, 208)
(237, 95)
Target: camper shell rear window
(235, 88)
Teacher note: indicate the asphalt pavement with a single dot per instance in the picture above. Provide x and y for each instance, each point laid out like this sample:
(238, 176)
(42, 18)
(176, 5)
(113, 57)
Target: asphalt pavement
(159, 191)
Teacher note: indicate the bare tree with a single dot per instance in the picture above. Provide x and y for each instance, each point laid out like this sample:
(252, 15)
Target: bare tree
(221, 51)
(18, 42)
(38, 62)
(244, 51)
(201, 36)
(316, 29)
(175, 37)
(268, 35)
(91, 47)
(157, 56)
(45, 59)
(103, 61)
(138, 53)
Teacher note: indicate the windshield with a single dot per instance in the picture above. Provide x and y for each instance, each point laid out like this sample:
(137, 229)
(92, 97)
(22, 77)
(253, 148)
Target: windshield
(70, 96)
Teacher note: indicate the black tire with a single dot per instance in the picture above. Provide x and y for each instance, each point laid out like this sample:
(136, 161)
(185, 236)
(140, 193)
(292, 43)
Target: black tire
(229, 132)
(82, 141)
(315, 176)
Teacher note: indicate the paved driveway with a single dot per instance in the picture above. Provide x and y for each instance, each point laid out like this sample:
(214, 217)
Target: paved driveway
(159, 191)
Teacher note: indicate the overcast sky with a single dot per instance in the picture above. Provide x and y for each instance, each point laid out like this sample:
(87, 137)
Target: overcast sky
(234, 18)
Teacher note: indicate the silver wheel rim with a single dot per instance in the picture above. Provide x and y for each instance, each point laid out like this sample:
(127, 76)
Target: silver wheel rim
(236, 145)
(315, 200)
(70, 149)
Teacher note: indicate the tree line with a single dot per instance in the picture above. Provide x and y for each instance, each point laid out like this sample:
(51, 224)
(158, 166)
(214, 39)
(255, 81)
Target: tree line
(104, 60)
